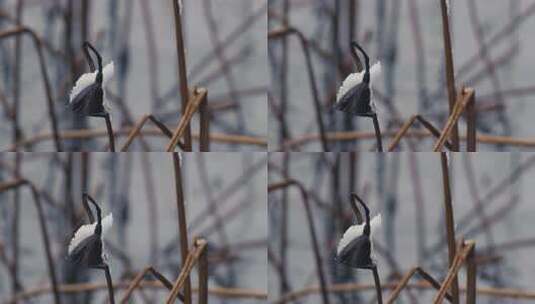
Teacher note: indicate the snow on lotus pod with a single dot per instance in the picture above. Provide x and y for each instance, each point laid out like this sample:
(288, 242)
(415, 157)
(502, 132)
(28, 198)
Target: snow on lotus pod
(86, 248)
(87, 98)
(355, 96)
(355, 249)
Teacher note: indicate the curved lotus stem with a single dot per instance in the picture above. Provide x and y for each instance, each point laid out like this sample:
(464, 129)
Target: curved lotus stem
(98, 228)
(366, 211)
(88, 57)
(87, 46)
(366, 77)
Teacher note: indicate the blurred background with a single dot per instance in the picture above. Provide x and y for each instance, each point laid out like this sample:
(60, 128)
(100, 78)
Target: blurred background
(225, 52)
(492, 52)
(492, 204)
(227, 207)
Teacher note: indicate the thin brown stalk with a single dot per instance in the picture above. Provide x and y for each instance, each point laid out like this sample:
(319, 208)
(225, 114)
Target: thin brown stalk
(298, 142)
(182, 225)
(204, 132)
(405, 127)
(216, 137)
(203, 276)
(455, 266)
(44, 231)
(450, 73)
(182, 75)
(471, 277)
(20, 30)
(311, 77)
(138, 280)
(198, 96)
(471, 116)
(311, 228)
(405, 280)
(136, 130)
(450, 224)
(501, 293)
(222, 292)
(464, 98)
(183, 277)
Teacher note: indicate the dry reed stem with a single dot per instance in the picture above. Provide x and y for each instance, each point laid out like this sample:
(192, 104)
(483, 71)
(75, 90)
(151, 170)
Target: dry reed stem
(405, 127)
(44, 231)
(231, 293)
(199, 96)
(182, 225)
(471, 132)
(20, 30)
(275, 34)
(182, 74)
(136, 130)
(405, 280)
(450, 224)
(311, 228)
(464, 98)
(503, 293)
(458, 261)
(204, 132)
(93, 133)
(184, 275)
(203, 274)
(450, 73)
(471, 277)
(364, 135)
(138, 279)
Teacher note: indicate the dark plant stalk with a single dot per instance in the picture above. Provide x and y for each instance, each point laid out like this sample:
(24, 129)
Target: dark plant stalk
(450, 75)
(277, 34)
(184, 91)
(44, 231)
(311, 229)
(378, 136)
(20, 30)
(109, 283)
(450, 224)
(377, 282)
(109, 130)
(182, 227)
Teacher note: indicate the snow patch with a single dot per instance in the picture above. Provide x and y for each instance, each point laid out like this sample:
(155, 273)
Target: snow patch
(355, 231)
(86, 231)
(88, 79)
(355, 79)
